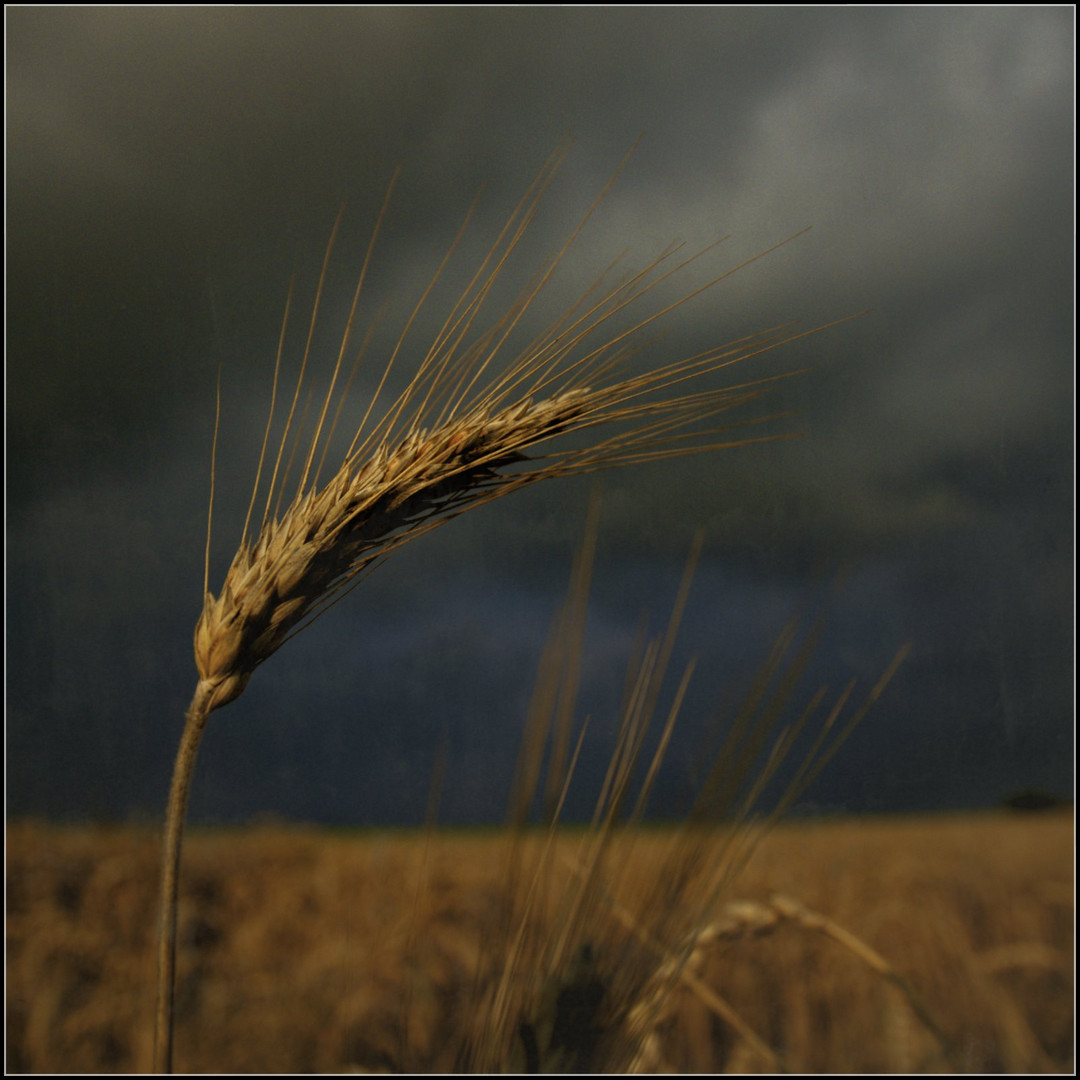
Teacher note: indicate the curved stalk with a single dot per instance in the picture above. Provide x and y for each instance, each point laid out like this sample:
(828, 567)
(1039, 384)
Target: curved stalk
(183, 769)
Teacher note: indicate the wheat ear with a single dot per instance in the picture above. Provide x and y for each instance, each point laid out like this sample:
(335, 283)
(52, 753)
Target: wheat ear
(462, 432)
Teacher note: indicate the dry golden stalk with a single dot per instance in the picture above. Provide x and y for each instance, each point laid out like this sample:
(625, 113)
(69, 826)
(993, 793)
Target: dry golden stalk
(656, 1002)
(788, 908)
(741, 919)
(460, 434)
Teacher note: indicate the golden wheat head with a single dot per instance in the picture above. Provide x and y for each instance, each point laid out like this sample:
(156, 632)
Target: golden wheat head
(456, 437)
(328, 536)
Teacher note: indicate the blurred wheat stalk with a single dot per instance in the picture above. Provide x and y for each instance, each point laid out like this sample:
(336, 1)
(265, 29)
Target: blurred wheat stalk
(464, 431)
(585, 969)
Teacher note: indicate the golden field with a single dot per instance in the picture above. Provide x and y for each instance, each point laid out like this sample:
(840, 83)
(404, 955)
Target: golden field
(310, 950)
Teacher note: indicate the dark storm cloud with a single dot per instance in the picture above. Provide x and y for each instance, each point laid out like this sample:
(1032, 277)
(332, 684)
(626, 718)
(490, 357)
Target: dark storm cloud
(170, 169)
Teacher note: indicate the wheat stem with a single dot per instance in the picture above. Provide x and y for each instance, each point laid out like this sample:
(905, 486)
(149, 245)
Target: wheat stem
(799, 913)
(183, 770)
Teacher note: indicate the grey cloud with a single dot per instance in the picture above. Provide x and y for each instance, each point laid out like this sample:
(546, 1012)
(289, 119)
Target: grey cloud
(170, 169)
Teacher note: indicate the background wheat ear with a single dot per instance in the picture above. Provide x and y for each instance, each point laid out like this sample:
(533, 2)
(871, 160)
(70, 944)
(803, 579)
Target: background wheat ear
(462, 432)
(588, 956)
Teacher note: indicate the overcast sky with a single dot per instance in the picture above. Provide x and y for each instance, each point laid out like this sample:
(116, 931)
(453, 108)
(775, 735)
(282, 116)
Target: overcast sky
(169, 170)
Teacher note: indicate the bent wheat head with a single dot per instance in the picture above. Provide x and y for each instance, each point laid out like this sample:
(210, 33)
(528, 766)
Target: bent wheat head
(326, 537)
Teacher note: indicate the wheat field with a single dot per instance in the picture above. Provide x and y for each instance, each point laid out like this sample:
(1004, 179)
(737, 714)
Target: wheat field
(309, 950)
